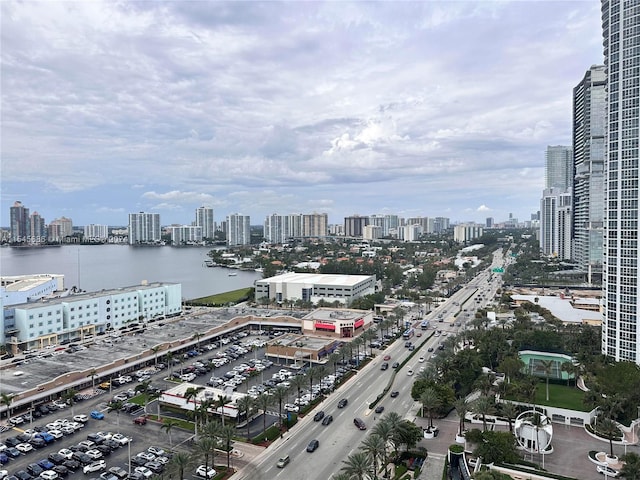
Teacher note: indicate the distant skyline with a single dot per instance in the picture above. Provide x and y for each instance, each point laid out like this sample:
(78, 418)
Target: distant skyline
(412, 108)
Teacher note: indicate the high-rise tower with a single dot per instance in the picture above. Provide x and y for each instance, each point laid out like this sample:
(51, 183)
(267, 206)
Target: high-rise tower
(558, 171)
(621, 286)
(19, 218)
(588, 183)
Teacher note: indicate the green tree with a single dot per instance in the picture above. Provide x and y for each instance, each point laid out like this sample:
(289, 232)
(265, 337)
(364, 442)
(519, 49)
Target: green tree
(483, 406)
(70, 397)
(631, 466)
(205, 449)
(226, 441)
(6, 399)
(167, 425)
(179, 463)
(221, 401)
(547, 367)
(510, 412)
(462, 407)
(430, 402)
(384, 430)
(608, 429)
(497, 447)
(375, 446)
(263, 402)
(280, 395)
(245, 405)
(357, 465)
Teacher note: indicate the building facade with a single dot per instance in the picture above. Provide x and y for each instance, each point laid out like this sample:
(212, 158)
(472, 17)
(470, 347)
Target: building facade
(315, 225)
(621, 282)
(96, 233)
(589, 109)
(19, 220)
(186, 235)
(310, 287)
(238, 230)
(35, 325)
(204, 220)
(59, 229)
(555, 223)
(558, 172)
(467, 232)
(144, 228)
(354, 225)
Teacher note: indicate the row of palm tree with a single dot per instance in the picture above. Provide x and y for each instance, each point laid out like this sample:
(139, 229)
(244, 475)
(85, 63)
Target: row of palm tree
(391, 432)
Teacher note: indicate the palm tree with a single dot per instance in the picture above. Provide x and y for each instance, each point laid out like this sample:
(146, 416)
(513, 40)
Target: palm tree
(6, 399)
(485, 383)
(92, 374)
(178, 463)
(280, 395)
(205, 448)
(384, 430)
(155, 351)
(333, 359)
(547, 367)
(169, 357)
(221, 401)
(631, 466)
(510, 412)
(263, 402)
(69, 397)
(375, 446)
(462, 407)
(167, 425)
(245, 404)
(357, 465)
(211, 430)
(394, 420)
(430, 402)
(298, 382)
(608, 429)
(197, 336)
(483, 406)
(226, 439)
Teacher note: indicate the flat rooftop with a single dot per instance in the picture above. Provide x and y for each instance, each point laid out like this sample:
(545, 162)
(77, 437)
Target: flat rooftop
(21, 283)
(335, 315)
(318, 278)
(293, 340)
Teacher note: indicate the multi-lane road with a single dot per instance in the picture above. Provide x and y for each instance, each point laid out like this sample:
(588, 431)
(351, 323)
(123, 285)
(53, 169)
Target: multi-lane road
(341, 438)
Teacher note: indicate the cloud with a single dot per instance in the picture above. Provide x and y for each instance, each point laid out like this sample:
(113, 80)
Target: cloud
(483, 208)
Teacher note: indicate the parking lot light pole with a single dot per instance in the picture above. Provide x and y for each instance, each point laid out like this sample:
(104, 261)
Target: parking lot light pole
(129, 453)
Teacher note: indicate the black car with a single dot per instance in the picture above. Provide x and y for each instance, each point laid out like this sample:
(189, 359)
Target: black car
(394, 394)
(61, 470)
(313, 445)
(34, 469)
(23, 437)
(318, 416)
(136, 476)
(12, 441)
(327, 420)
(112, 444)
(3, 458)
(22, 475)
(56, 458)
(430, 349)
(384, 366)
(71, 465)
(37, 442)
(359, 423)
(343, 403)
(138, 461)
(95, 438)
(395, 365)
(379, 409)
(12, 452)
(82, 457)
(103, 449)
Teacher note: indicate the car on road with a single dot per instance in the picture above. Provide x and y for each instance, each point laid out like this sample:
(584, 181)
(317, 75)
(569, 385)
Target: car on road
(379, 409)
(318, 416)
(204, 472)
(97, 415)
(430, 349)
(410, 372)
(327, 420)
(94, 467)
(343, 403)
(313, 445)
(607, 471)
(421, 359)
(387, 357)
(283, 461)
(395, 365)
(359, 423)
(394, 394)
(384, 366)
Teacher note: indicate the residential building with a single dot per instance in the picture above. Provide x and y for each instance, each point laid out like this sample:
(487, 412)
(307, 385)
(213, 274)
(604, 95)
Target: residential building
(96, 233)
(186, 235)
(409, 233)
(558, 171)
(19, 219)
(276, 228)
(238, 230)
(555, 223)
(144, 228)
(440, 224)
(34, 325)
(372, 232)
(354, 225)
(621, 282)
(60, 229)
(589, 113)
(467, 232)
(489, 222)
(37, 229)
(315, 225)
(311, 287)
(204, 220)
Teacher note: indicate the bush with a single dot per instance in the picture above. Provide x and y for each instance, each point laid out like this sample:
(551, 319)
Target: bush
(455, 448)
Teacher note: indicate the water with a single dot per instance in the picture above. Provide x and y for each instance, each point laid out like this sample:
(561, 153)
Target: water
(113, 266)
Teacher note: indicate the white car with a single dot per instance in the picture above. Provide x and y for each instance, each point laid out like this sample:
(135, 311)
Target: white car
(49, 475)
(4, 474)
(81, 418)
(120, 438)
(201, 471)
(607, 471)
(94, 466)
(291, 408)
(409, 372)
(421, 359)
(24, 447)
(144, 471)
(66, 453)
(94, 454)
(57, 434)
(157, 451)
(149, 457)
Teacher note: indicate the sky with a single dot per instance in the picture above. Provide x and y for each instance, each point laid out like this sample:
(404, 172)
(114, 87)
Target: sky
(409, 108)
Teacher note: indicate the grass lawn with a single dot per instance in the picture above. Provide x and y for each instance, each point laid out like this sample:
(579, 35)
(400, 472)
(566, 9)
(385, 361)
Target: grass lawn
(560, 396)
(233, 296)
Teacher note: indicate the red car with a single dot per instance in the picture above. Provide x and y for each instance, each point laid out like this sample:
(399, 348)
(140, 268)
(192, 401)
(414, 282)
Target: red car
(387, 357)
(140, 420)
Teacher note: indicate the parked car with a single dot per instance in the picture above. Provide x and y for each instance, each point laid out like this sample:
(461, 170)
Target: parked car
(61, 470)
(46, 464)
(81, 418)
(49, 475)
(140, 420)
(607, 471)
(94, 467)
(203, 472)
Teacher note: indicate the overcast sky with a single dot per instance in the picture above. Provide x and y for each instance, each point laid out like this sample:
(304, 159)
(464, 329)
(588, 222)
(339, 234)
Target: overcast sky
(410, 108)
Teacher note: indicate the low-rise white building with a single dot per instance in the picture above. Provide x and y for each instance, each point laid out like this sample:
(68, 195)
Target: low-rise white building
(313, 287)
(343, 322)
